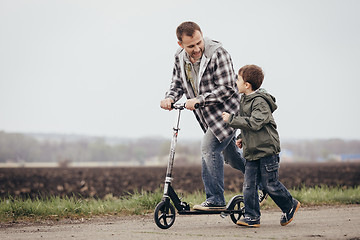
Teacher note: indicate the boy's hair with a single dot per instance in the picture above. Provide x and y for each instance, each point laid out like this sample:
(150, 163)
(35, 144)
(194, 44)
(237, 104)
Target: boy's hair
(252, 74)
(187, 28)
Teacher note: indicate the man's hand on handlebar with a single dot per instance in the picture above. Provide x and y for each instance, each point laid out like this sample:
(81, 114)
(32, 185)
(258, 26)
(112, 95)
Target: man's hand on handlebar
(190, 104)
(166, 104)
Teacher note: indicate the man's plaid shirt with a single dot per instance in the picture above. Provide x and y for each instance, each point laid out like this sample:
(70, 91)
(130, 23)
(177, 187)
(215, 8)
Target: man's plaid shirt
(217, 89)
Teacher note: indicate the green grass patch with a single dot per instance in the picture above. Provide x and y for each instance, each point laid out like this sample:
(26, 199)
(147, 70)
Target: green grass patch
(323, 195)
(56, 208)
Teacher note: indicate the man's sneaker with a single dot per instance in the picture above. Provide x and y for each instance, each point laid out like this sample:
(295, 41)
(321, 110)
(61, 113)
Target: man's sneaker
(248, 222)
(263, 195)
(286, 218)
(206, 206)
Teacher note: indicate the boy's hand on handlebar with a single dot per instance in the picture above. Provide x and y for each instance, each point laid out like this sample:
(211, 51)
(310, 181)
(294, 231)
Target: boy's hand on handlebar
(239, 143)
(225, 116)
(166, 103)
(190, 104)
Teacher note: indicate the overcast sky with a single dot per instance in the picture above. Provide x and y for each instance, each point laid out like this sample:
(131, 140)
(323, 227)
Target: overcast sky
(100, 68)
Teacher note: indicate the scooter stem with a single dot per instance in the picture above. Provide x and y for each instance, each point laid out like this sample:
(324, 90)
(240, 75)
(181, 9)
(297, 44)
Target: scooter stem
(170, 165)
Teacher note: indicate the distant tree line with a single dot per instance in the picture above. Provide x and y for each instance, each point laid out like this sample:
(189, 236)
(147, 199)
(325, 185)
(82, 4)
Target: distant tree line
(16, 147)
(321, 150)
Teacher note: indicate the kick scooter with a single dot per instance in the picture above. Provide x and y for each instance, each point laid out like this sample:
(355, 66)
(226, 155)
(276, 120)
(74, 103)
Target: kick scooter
(164, 214)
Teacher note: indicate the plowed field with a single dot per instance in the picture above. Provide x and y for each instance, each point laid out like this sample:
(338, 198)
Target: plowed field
(118, 181)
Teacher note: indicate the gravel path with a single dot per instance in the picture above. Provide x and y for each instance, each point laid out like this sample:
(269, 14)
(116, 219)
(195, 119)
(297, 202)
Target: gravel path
(325, 222)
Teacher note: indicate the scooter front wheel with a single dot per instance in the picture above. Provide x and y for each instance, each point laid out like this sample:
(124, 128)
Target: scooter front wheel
(239, 207)
(164, 214)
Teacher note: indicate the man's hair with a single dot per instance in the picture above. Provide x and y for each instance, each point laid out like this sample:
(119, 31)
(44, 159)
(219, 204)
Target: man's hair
(187, 28)
(253, 75)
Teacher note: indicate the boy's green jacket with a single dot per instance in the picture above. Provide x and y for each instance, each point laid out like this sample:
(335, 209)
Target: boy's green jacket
(258, 128)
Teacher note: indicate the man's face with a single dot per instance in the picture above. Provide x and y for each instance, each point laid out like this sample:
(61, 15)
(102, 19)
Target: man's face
(194, 45)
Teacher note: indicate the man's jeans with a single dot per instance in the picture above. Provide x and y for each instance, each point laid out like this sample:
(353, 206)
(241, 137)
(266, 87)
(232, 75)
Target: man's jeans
(213, 152)
(266, 172)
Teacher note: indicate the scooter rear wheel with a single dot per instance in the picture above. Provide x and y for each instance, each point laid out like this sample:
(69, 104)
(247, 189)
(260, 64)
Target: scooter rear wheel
(237, 205)
(164, 214)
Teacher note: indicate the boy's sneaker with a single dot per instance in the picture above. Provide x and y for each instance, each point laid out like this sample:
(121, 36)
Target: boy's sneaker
(286, 218)
(248, 222)
(263, 195)
(206, 206)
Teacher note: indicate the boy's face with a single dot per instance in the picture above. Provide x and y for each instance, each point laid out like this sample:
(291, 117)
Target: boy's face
(194, 45)
(242, 86)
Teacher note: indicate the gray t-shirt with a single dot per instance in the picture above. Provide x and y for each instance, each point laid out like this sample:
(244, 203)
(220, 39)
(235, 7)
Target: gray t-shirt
(193, 70)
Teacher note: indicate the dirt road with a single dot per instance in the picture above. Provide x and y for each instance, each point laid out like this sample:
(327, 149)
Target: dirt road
(329, 222)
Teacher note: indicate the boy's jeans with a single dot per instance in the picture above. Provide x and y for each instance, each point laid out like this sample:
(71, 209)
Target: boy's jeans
(266, 172)
(212, 152)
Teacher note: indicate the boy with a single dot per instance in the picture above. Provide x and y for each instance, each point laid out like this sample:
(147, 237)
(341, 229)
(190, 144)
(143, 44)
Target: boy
(261, 147)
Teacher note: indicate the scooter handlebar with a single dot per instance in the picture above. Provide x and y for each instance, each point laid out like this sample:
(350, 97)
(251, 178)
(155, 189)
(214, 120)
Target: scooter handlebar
(181, 106)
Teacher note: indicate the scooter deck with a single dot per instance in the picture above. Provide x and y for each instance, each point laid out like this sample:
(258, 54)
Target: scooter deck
(204, 212)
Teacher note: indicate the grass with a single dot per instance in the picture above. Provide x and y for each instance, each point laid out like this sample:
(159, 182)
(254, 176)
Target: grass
(323, 195)
(56, 208)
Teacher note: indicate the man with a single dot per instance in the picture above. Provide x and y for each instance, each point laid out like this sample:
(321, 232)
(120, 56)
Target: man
(203, 71)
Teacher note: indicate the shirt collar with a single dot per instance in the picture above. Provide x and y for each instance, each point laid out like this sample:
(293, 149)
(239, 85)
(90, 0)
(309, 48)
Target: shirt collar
(187, 58)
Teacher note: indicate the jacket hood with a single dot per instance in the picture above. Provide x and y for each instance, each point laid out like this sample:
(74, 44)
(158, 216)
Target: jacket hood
(265, 95)
(210, 47)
